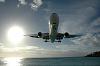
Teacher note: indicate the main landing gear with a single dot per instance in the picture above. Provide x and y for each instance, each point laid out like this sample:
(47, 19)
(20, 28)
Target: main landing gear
(59, 41)
(55, 41)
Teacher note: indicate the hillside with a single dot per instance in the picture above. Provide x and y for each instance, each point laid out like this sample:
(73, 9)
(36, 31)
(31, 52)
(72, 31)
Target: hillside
(94, 54)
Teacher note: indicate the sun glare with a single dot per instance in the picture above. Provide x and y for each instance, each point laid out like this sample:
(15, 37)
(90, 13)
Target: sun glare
(15, 34)
(12, 61)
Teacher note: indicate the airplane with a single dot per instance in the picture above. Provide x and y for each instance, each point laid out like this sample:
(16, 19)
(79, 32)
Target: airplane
(53, 34)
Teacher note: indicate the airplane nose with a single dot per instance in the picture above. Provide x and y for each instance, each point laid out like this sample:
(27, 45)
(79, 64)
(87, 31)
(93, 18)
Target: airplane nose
(54, 14)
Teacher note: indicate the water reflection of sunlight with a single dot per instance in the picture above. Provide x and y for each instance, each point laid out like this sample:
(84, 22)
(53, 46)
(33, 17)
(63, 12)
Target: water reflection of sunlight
(12, 61)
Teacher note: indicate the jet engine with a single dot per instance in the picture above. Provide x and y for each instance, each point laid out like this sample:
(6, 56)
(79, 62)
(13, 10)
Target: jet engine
(59, 36)
(66, 34)
(39, 34)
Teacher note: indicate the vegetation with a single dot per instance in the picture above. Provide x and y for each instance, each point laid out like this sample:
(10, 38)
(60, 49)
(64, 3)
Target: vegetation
(94, 54)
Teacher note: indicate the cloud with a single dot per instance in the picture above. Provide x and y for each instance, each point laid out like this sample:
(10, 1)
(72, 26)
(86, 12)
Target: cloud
(19, 49)
(81, 46)
(90, 39)
(2, 0)
(66, 53)
(95, 25)
(75, 18)
(78, 21)
(35, 51)
(34, 4)
(23, 2)
(79, 16)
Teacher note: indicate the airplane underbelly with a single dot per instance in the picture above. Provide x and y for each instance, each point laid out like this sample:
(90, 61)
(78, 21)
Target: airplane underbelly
(53, 26)
(53, 33)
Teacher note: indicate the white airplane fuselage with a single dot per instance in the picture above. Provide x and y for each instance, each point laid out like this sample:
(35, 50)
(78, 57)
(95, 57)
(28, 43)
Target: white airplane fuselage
(53, 26)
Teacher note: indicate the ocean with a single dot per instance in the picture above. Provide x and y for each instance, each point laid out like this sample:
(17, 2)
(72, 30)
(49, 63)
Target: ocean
(62, 61)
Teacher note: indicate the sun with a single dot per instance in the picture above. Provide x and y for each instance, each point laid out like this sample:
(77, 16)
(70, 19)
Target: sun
(15, 34)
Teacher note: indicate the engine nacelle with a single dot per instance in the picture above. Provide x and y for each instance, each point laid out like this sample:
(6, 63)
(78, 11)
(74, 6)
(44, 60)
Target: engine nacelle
(59, 36)
(40, 34)
(66, 34)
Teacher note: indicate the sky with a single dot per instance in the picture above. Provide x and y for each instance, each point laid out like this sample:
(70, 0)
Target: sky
(75, 17)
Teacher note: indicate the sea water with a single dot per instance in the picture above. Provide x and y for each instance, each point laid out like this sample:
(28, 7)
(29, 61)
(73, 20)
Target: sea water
(62, 61)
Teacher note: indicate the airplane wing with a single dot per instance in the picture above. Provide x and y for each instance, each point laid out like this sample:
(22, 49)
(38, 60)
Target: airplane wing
(32, 35)
(39, 35)
(72, 36)
(60, 36)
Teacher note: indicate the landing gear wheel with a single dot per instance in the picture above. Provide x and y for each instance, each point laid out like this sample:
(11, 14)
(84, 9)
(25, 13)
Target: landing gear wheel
(45, 41)
(59, 41)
